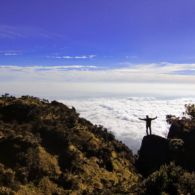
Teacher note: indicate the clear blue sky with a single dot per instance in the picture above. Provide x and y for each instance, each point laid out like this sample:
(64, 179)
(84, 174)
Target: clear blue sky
(96, 32)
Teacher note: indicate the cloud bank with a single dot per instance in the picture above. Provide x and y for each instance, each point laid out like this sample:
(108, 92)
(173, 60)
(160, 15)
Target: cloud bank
(163, 79)
(75, 57)
(120, 115)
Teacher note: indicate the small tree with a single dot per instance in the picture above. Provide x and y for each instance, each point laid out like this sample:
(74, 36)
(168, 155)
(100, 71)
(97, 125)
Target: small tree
(190, 110)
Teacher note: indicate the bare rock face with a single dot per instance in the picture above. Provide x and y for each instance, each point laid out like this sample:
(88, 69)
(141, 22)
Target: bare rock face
(153, 153)
(176, 130)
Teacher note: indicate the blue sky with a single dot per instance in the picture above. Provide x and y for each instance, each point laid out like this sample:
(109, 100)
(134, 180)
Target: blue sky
(84, 47)
(45, 32)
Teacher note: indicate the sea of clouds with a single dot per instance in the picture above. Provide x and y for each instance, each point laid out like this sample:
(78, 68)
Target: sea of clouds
(120, 115)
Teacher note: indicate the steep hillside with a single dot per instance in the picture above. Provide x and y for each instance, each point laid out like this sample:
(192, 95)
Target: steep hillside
(46, 148)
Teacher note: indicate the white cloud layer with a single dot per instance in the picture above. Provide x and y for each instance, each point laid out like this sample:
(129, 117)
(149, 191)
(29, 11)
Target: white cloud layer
(164, 73)
(75, 57)
(46, 69)
(120, 115)
(10, 53)
(92, 81)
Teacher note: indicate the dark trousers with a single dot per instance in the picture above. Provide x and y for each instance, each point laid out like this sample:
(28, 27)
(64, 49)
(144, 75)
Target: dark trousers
(148, 127)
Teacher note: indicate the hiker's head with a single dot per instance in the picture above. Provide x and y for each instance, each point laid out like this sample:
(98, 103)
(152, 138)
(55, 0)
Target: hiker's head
(147, 116)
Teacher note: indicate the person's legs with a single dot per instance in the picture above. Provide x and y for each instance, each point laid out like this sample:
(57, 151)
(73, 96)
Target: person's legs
(150, 130)
(146, 130)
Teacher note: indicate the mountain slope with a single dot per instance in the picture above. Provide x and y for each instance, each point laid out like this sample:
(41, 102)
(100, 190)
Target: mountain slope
(46, 148)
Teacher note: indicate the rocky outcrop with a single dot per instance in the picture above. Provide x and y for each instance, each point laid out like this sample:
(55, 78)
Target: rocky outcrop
(179, 147)
(153, 153)
(176, 130)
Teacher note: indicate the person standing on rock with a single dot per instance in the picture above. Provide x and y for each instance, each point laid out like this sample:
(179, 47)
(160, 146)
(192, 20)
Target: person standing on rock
(148, 123)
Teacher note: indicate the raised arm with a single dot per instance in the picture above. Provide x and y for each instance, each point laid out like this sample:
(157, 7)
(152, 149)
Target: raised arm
(154, 118)
(143, 119)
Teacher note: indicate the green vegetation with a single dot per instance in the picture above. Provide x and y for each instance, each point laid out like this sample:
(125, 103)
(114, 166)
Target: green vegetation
(170, 179)
(46, 148)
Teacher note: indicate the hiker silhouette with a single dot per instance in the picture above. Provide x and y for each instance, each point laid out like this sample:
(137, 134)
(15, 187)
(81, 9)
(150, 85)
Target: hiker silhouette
(148, 123)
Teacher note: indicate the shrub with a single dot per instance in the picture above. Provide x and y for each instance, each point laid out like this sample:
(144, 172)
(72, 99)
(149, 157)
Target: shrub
(170, 179)
(40, 163)
(176, 145)
(190, 110)
(7, 176)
